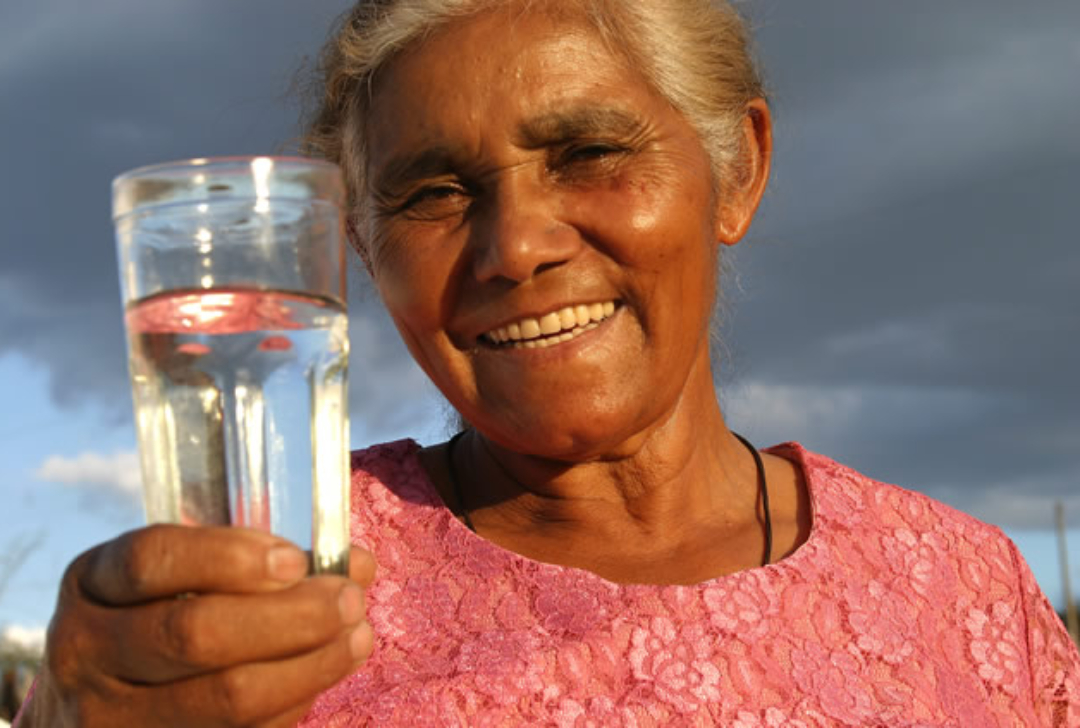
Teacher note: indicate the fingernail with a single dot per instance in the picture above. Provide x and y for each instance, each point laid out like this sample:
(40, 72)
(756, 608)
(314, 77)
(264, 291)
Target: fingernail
(286, 563)
(358, 642)
(351, 604)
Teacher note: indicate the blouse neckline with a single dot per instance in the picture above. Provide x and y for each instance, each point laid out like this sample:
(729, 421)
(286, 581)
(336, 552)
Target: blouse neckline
(791, 451)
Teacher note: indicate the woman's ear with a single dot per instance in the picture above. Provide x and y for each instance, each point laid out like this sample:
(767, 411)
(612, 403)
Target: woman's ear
(742, 190)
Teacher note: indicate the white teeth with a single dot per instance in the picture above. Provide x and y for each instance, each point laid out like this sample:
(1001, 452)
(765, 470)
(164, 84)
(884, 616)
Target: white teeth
(551, 324)
(556, 327)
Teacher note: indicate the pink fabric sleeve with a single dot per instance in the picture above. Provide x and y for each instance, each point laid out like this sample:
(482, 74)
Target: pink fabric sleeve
(1052, 655)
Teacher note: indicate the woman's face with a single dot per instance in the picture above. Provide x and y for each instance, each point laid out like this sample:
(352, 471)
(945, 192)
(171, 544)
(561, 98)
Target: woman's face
(544, 233)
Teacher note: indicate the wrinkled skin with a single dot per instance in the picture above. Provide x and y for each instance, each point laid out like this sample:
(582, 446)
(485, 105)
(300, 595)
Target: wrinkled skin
(183, 626)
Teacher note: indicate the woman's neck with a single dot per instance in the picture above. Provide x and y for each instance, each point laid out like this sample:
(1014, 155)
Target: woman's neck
(680, 504)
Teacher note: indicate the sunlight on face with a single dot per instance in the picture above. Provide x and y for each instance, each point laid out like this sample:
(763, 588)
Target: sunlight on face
(520, 184)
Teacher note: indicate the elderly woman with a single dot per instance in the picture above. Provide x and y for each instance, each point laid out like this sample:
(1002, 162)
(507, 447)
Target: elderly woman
(541, 192)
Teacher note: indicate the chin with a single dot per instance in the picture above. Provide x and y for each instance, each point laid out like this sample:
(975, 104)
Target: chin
(578, 435)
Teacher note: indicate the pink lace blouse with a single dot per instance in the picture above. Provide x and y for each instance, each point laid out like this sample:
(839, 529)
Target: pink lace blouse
(898, 611)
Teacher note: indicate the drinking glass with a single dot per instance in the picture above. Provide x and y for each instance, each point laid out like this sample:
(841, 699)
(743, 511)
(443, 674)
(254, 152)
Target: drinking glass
(233, 282)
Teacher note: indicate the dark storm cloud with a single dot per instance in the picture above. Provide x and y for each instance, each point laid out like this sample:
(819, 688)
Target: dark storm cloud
(907, 301)
(88, 90)
(914, 276)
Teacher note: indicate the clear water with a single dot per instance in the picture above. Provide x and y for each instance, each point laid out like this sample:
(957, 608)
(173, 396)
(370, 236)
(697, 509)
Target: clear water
(241, 411)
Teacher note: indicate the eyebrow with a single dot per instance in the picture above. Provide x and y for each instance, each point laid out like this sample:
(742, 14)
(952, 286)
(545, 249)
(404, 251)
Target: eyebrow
(401, 170)
(543, 130)
(582, 121)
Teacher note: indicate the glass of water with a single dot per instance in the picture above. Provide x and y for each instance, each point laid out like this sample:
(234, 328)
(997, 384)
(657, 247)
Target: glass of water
(233, 281)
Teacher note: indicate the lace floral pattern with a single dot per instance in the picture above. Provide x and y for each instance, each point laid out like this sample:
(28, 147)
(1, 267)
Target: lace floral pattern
(897, 611)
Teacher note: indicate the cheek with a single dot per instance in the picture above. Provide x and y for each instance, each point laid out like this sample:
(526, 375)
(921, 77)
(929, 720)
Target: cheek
(413, 272)
(653, 220)
(666, 232)
(398, 261)
(648, 203)
(418, 323)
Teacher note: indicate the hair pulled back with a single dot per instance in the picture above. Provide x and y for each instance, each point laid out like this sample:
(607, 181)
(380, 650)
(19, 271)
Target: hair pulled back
(695, 53)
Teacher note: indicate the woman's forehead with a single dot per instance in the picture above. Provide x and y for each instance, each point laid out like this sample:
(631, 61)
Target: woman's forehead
(499, 42)
(557, 75)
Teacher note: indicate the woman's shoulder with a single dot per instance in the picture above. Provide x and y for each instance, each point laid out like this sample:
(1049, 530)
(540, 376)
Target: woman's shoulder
(389, 484)
(840, 494)
(384, 458)
(965, 579)
(879, 530)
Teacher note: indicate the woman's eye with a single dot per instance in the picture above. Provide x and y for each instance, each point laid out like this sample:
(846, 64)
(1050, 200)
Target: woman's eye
(434, 201)
(587, 161)
(590, 152)
(431, 194)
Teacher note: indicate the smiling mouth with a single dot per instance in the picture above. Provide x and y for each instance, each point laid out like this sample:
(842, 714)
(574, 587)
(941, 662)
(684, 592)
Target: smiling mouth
(550, 329)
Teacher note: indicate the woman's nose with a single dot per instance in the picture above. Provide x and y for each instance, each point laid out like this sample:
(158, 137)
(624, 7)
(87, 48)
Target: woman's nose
(520, 232)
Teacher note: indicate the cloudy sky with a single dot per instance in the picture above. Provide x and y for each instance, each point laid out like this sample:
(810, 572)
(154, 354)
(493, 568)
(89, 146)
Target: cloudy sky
(907, 301)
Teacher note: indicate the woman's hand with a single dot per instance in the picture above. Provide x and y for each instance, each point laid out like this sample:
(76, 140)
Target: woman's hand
(183, 626)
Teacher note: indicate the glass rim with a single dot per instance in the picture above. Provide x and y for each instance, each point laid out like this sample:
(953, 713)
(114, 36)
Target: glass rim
(290, 160)
(235, 165)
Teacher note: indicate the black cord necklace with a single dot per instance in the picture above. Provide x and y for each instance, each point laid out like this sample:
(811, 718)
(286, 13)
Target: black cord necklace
(762, 485)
